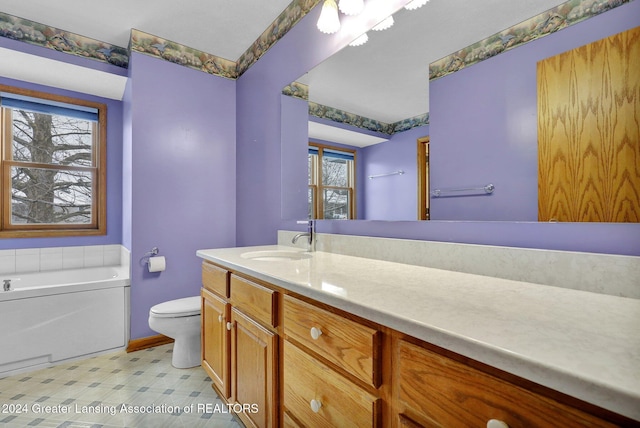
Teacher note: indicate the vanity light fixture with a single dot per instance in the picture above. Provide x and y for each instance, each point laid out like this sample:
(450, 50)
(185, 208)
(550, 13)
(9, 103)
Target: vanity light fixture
(329, 21)
(415, 4)
(387, 23)
(351, 7)
(360, 40)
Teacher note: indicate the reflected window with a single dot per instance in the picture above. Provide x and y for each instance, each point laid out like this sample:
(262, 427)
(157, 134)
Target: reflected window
(331, 182)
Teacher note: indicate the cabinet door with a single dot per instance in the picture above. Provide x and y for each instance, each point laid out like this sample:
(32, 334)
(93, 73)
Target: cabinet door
(253, 371)
(445, 393)
(215, 341)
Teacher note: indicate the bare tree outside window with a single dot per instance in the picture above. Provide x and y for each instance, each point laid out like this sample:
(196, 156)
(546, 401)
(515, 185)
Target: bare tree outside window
(331, 182)
(54, 184)
(335, 178)
(52, 165)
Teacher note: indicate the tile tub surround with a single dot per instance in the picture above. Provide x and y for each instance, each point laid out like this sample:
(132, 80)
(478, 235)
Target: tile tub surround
(579, 343)
(105, 382)
(615, 275)
(61, 258)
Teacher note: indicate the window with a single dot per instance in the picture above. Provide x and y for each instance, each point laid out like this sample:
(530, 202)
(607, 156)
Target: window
(331, 182)
(53, 165)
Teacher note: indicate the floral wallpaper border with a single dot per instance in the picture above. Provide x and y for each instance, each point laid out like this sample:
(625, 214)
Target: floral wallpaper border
(53, 38)
(341, 116)
(48, 37)
(180, 54)
(301, 91)
(208, 63)
(336, 115)
(562, 16)
(292, 14)
(297, 90)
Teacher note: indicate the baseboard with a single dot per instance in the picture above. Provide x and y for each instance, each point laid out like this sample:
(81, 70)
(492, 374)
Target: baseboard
(148, 342)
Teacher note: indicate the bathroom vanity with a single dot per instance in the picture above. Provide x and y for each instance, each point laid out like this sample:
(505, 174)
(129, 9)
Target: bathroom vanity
(323, 339)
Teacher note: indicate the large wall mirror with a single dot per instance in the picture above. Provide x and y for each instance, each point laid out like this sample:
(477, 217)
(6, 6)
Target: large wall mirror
(376, 99)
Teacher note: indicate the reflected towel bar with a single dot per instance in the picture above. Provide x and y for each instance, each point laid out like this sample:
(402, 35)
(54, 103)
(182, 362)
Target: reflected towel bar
(488, 189)
(399, 172)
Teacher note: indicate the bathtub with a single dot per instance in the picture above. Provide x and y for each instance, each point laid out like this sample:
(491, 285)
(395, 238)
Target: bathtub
(49, 317)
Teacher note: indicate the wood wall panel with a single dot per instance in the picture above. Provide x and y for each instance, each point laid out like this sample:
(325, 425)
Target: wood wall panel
(589, 132)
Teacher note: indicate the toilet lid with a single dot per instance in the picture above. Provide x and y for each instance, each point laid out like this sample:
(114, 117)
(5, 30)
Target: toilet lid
(178, 308)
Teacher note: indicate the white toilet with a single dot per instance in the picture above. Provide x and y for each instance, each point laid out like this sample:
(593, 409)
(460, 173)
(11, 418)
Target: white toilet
(180, 320)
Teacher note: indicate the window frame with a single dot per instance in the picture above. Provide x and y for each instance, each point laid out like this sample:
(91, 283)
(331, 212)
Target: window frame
(317, 187)
(98, 224)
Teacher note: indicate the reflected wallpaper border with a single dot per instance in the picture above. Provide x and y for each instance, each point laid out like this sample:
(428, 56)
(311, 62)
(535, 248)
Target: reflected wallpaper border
(544, 24)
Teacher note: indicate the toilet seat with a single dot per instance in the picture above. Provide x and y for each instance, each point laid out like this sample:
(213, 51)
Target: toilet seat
(186, 307)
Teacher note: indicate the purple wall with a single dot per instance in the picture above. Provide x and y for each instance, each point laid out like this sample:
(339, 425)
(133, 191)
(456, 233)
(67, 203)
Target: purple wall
(127, 164)
(393, 197)
(303, 48)
(114, 175)
(182, 177)
(484, 130)
(295, 143)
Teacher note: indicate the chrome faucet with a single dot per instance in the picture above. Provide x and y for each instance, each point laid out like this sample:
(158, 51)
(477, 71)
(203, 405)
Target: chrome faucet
(310, 234)
(6, 284)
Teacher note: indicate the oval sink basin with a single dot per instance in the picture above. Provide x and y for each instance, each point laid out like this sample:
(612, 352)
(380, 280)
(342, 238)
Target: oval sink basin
(275, 255)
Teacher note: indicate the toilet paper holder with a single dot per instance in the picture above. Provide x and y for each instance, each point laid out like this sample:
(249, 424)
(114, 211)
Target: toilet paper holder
(145, 259)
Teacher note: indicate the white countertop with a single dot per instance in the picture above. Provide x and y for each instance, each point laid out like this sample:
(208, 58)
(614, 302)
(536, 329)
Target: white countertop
(584, 344)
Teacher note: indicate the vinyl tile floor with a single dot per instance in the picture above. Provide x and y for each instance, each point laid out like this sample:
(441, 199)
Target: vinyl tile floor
(135, 390)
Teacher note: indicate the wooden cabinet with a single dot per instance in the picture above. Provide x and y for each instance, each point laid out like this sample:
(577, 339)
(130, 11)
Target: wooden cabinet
(281, 360)
(436, 391)
(253, 370)
(240, 344)
(215, 341)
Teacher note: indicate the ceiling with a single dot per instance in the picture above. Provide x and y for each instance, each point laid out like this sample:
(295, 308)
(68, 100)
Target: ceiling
(224, 28)
(386, 79)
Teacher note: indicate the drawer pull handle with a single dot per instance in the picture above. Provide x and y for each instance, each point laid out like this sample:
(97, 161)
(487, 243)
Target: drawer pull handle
(495, 423)
(315, 333)
(220, 318)
(315, 405)
(229, 325)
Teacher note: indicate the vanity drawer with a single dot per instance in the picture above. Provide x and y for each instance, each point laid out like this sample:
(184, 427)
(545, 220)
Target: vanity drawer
(339, 403)
(254, 300)
(215, 279)
(448, 393)
(346, 343)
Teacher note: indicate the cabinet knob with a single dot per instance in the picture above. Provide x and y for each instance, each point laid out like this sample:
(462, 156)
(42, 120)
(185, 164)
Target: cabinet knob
(495, 423)
(220, 318)
(229, 325)
(315, 333)
(315, 405)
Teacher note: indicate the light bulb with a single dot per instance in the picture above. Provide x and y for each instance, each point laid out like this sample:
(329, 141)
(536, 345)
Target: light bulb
(387, 23)
(329, 21)
(415, 4)
(360, 40)
(351, 7)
